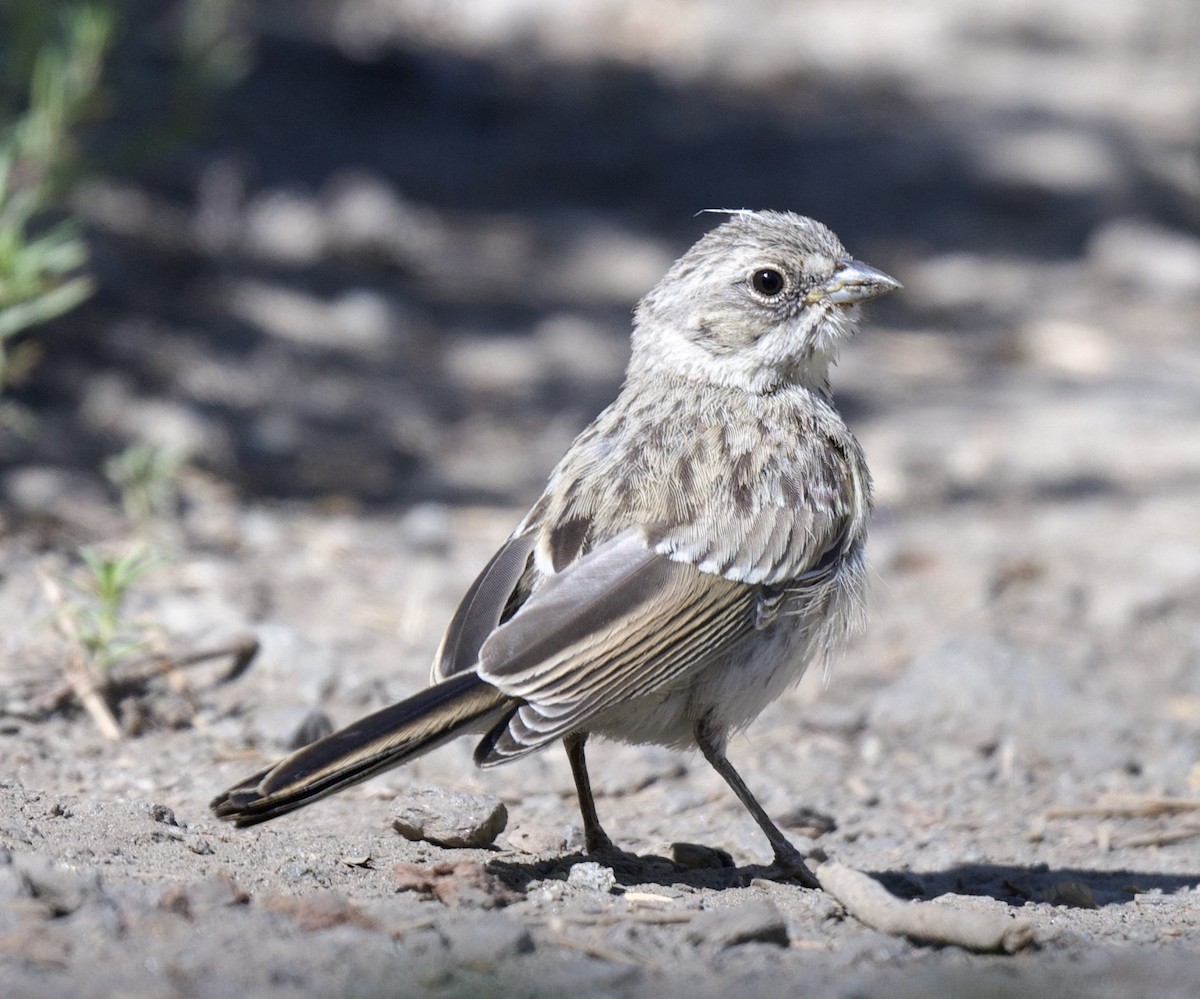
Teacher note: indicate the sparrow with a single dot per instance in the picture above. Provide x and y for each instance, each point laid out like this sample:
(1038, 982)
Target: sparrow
(700, 544)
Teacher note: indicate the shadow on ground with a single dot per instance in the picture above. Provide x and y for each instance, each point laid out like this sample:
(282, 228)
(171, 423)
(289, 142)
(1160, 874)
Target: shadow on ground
(1014, 885)
(1018, 884)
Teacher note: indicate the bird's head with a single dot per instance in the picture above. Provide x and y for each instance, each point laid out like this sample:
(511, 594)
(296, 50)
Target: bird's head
(764, 300)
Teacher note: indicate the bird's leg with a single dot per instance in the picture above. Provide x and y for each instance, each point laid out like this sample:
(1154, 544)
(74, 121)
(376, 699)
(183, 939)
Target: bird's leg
(787, 857)
(594, 837)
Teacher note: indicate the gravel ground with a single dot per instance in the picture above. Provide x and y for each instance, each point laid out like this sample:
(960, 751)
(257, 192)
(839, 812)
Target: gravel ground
(371, 308)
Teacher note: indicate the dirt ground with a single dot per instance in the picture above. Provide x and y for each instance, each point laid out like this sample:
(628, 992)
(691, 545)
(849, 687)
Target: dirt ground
(371, 306)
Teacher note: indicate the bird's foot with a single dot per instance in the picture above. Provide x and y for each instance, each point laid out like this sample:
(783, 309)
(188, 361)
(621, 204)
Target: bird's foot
(596, 841)
(791, 866)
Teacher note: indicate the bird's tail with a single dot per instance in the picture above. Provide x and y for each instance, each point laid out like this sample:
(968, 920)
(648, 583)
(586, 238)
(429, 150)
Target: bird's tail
(361, 750)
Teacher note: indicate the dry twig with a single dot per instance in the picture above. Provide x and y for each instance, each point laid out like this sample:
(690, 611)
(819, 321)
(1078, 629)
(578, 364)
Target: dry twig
(92, 685)
(869, 902)
(241, 651)
(1164, 838)
(79, 675)
(1128, 807)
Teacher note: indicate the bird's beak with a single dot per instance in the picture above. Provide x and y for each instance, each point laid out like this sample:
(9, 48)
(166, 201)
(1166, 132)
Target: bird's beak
(852, 282)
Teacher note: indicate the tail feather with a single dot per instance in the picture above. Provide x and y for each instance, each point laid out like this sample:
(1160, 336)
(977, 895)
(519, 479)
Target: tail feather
(371, 745)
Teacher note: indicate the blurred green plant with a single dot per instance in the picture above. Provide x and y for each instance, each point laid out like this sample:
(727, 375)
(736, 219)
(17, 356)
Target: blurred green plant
(97, 606)
(213, 48)
(114, 656)
(51, 63)
(185, 55)
(147, 478)
(53, 60)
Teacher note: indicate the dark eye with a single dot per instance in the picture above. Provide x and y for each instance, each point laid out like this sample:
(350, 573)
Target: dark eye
(767, 281)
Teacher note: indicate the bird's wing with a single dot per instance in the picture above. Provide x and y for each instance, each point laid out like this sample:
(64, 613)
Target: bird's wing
(483, 606)
(618, 623)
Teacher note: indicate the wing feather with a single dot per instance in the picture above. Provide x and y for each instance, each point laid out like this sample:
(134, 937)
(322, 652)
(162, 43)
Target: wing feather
(619, 623)
(483, 606)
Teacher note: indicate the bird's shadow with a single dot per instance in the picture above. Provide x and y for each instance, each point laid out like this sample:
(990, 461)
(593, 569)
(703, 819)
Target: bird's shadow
(1013, 884)
(710, 868)
(1018, 884)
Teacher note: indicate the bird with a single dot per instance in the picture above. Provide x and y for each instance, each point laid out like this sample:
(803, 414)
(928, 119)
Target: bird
(699, 545)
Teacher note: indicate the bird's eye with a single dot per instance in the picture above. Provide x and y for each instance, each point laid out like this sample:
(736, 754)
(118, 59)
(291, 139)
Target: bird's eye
(767, 281)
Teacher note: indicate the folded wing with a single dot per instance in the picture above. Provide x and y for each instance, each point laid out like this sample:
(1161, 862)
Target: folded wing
(619, 623)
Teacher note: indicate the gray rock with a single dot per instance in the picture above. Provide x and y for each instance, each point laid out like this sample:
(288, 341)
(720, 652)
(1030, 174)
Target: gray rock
(592, 877)
(447, 817)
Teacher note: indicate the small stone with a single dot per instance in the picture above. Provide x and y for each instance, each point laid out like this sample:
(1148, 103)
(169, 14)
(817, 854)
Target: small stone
(591, 876)
(665, 898)
(200, 846)
(836, 719)
(1051, 158)
(808, 821)
(428, 527)
(157, 813)
(447, 817)
(362, 317)
(753, 922)
(1078, 350)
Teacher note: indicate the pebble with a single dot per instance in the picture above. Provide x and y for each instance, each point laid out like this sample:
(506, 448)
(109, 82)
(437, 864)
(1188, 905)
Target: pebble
(592, 877)
(448, 817)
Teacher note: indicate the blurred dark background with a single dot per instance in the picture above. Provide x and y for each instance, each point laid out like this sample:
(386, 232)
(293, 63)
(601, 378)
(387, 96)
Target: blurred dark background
(380, 252)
